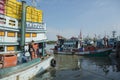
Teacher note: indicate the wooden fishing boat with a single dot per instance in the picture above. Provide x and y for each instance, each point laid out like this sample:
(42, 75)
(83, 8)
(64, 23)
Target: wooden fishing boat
(96, 53)
(78, 47)
(26, 71)
(63, 52)
(66, 46)
(22, 47)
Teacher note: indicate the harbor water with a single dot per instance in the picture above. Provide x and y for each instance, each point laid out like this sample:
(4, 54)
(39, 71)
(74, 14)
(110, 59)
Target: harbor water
(72, 67)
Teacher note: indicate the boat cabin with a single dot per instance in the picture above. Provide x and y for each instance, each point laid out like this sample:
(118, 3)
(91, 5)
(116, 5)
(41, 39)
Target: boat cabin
(67, 44)
(15, 36)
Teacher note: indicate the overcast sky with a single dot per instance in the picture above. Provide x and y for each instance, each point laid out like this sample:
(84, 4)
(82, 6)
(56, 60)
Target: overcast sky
(68, 17)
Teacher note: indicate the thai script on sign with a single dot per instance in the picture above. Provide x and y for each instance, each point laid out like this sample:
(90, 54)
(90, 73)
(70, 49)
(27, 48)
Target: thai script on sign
(35, 26)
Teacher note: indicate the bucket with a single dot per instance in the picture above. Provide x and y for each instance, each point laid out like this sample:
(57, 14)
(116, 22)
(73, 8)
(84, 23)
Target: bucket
(8, 60)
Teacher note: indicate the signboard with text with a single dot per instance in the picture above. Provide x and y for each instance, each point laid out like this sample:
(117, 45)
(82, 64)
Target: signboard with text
(35, 26)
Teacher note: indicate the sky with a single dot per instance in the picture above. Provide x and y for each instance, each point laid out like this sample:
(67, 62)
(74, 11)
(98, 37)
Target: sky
(69, 17)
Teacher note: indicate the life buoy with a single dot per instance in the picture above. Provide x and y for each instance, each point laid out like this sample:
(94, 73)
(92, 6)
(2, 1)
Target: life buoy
(53, 63)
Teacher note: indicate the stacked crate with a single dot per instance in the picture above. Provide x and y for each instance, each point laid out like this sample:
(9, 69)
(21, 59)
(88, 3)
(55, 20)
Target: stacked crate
(34, 15)
(2, 6)
(13, 9)
(28, 14)
(40, 17)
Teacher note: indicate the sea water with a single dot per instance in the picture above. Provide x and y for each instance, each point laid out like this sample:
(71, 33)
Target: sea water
(73, 67)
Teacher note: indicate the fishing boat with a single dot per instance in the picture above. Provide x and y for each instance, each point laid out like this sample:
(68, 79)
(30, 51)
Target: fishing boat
(66, 46)
(98, 47)
(95, 52)
(22, 41)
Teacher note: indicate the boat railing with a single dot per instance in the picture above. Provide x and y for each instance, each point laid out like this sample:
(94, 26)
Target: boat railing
(12, 23)
(8, 22)
(4, 39)
(9, 71)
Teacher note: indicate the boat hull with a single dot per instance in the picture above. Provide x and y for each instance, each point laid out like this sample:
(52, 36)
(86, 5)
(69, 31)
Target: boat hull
(27, 70)
(64, 52)
(97, 53)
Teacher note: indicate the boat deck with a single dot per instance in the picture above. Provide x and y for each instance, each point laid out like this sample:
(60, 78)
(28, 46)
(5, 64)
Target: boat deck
(4, 72)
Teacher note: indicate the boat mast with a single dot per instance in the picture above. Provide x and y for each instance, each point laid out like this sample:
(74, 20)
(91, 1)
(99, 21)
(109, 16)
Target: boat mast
(34, 3)
(80, 39)
(113, 34)
(23, 26)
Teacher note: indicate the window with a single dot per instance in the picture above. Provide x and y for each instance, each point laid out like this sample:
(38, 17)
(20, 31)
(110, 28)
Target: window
(1, 48)
(10, 48)
(12, 22)
(2, 33)
(27, 35)
(18, 35)
(18, 48)
(2, 20)
(11, 34)
(34, 35)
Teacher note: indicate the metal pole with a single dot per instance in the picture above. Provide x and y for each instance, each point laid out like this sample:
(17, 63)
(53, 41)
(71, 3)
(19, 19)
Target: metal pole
(43, 53)
(23, 26)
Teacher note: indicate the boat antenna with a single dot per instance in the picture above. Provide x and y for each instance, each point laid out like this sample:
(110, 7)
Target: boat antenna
(80, 38)
(80, 35)
(34, 3)
(113, 34)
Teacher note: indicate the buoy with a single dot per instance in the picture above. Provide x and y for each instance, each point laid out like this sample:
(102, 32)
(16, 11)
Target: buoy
(53, 63)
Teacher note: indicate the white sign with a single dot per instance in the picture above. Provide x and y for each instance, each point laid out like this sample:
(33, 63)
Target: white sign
(34, 26)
